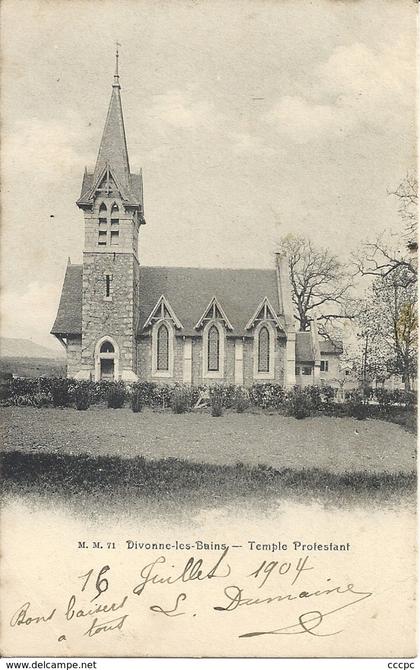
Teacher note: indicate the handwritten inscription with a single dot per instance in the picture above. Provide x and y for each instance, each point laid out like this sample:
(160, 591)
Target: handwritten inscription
(279, 589)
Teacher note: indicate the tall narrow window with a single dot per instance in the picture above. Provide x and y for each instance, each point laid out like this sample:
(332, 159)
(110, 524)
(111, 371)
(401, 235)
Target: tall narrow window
(263, 350)
(213, 350)
(162, 348)
(115, 231)
(107, 286)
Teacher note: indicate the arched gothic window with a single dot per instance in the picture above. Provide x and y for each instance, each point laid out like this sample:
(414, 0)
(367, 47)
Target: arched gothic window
(107, 347)
(263, 350)
(162, 351)
(213, 349)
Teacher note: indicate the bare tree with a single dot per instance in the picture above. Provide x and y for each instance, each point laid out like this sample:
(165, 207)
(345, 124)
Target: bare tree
(321, 284)
(407, 194)
(395, 251)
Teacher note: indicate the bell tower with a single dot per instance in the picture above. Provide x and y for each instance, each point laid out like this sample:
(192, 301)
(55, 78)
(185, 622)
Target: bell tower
(112, 202)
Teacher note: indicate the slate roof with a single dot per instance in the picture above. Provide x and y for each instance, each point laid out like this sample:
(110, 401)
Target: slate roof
(113, 147)
(188, 290)
(113, 155)
(305, 351)
(330, 346)
(69, 314)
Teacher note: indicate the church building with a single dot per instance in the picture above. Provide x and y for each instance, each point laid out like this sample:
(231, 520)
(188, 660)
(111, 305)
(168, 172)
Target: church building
(118, 319)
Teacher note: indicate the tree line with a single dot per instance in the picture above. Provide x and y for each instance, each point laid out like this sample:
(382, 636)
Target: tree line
(374, 292)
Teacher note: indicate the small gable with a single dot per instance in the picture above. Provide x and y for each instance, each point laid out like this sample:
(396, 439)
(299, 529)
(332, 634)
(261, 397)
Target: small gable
(162, 310)
(264, 312)
(106, 185)
(213, 311)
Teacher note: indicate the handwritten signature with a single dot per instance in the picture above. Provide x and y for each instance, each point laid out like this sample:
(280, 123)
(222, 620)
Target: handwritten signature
(107, 616)
(307, 621)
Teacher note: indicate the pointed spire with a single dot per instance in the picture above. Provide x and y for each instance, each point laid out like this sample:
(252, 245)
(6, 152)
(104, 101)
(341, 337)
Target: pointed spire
(113, 148)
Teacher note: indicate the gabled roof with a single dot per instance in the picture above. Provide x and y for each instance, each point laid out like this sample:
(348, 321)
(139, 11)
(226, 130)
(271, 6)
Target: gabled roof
(268, 313)
(188, 291)
(69, 313)
(213, 310)
(162, 310)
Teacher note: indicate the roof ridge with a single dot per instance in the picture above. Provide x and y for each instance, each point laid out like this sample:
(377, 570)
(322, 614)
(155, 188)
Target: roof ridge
(195, 267)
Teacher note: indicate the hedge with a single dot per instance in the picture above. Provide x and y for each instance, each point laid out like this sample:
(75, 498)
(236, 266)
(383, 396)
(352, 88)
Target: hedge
(299, 401)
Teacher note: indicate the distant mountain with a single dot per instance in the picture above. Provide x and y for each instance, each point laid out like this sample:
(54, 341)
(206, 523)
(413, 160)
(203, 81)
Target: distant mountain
(11, 347)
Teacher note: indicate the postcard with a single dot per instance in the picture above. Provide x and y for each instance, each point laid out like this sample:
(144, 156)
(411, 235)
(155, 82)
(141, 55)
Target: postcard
(208, 328)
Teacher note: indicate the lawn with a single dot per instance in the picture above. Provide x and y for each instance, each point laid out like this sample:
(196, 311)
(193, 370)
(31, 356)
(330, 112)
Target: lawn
(333, 445)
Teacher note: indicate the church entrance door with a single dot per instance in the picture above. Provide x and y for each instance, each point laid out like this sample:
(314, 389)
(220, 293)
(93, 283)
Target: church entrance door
(107, 368)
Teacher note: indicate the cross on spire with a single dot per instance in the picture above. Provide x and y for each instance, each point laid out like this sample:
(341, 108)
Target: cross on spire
(117, 55)
(113, 148)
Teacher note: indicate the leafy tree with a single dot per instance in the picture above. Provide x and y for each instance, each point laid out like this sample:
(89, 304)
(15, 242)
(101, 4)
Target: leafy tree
(388, 327)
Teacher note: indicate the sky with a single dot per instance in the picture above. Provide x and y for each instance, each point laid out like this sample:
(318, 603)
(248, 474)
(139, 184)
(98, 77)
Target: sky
(251, 119)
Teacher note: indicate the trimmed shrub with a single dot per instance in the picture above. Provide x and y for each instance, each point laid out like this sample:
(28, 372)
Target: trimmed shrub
(216, 400)
(298, 403)
(180, 401)
(60, 392)
(386, 397)
(383, 396)
(116, 395)
(267, 395)
(82, 397)
(145, 391)
(327, 393)
(42, 400)
(241, 400)
(5, 386)
(356, 408)
(136, 401)
(216, 406)
(313, 396)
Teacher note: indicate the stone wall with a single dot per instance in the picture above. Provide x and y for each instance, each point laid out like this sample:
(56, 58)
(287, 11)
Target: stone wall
(144, 364)
(74, 355)
(114, 315)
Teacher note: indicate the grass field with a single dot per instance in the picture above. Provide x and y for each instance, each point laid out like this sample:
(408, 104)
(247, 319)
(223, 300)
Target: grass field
(333, 445)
